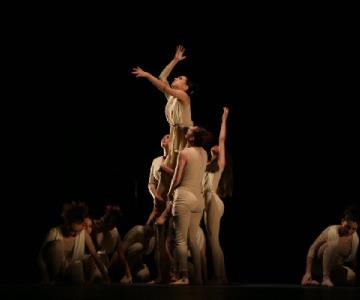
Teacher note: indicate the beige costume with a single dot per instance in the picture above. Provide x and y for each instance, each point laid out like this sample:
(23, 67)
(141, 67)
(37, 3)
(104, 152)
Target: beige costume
(214, 210)
(331, 252)
(64, 257)
(178, 116)
(187, 209)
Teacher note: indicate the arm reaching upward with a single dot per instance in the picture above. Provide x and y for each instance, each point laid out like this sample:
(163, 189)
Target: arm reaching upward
(222, 138)
(161, 86)
(179, 56)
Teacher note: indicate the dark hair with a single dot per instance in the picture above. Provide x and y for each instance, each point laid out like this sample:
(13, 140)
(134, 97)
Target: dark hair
(112, 215)
(225, 186)
(213, 166)
(192, 86)
(201, 136)
(352, 213)
(74, 212)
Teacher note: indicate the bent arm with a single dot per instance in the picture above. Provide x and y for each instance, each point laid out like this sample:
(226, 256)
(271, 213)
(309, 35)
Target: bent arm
(153, 182)
(178, 173)
(91, 248)
(165, 168)
(45, 278)
(161, 86)
(122, 260)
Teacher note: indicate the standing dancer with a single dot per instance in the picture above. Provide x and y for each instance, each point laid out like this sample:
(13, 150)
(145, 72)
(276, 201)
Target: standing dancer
(214, 206)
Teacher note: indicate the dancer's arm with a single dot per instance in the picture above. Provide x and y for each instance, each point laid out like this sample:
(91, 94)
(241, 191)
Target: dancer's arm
(222, 137)
(165, 168)
(153, 183)
(127, 279)
(179, 171)
(161, 86)
(90, 246)
(321, 239)
(179, 56)
(45, 277)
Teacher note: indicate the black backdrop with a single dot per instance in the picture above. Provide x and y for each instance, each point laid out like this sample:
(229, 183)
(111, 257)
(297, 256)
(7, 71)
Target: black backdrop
(80, 127)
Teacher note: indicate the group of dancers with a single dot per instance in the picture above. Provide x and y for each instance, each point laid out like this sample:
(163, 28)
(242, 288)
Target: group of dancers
(184, 183)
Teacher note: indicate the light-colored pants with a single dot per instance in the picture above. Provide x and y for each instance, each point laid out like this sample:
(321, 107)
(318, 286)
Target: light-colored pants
(329, 263)
(214, 210)
(187, 211)
(59, 268)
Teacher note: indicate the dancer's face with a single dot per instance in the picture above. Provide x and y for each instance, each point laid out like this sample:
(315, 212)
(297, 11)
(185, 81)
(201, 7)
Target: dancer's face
(347, 228)
(165, 141)
(88, 225)
(180, 83)
(76, 228)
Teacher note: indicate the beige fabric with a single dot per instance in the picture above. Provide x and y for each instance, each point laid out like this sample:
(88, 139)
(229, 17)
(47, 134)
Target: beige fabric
(137, 235)
(178, 116)
(194, 172)
(154, 176)
(108, 241)
(214, 210)
(187, 210)
(330, 235)
(78, 251)
(211, 181)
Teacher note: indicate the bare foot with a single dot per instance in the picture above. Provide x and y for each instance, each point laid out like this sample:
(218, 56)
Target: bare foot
(173, 278)
(155, 281)
(182, 281)
(313, 282)
(327, 282)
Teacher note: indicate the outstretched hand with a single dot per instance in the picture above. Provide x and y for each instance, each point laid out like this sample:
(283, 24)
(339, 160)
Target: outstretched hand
(138, 72)
(225, 112)
(179, 54)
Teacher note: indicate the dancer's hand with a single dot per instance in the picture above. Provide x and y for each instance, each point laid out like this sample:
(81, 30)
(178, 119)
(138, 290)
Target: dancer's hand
(138, 72)
(179, 55)
(307, 278)
(225, 113)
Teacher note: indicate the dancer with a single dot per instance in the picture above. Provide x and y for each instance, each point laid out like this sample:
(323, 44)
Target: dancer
(109, 243)
(177, 111)
(188, 202)
(163, 257)
(214, 206)
(62, 255)
(137, 242)
(332, 255)
(178, 106)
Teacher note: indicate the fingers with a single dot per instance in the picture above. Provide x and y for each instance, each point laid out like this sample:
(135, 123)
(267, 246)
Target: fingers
(180, 48)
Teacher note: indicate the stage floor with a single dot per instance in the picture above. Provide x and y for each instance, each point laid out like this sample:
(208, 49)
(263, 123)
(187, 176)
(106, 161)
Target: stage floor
(159, 292)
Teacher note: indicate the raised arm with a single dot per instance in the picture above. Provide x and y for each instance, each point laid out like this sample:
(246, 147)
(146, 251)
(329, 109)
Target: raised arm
(222, 138)
(162, 86)
(179, 56)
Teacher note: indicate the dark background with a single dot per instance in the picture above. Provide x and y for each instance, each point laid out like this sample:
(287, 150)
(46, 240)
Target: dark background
(79, 126)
